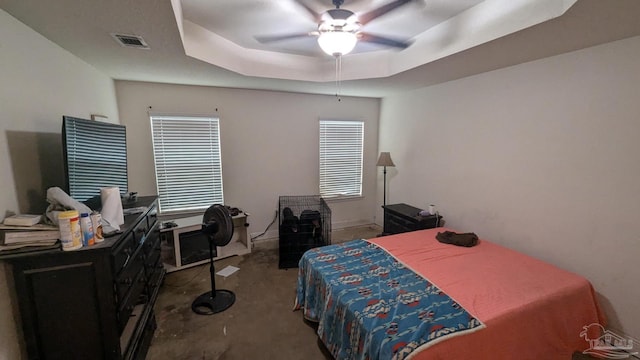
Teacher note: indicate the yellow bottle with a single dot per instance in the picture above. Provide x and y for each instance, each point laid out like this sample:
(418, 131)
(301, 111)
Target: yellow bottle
(70, 233)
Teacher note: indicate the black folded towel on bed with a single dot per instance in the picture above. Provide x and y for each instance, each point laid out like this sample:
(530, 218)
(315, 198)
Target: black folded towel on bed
(449, 237)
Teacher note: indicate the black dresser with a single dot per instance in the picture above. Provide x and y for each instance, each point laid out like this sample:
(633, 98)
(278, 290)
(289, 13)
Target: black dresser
(94, 302)
(400, 218)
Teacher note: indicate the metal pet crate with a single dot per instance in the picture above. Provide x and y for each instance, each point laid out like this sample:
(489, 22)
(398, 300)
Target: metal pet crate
(305, 223)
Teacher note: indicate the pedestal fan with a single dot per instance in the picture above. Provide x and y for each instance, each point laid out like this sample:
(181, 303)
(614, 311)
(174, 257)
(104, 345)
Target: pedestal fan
(217, 224)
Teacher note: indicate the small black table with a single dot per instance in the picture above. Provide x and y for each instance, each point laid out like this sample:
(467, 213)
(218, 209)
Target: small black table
(400, 218)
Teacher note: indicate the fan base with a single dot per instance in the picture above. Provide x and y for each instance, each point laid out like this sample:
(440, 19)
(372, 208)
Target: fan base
(206, 304)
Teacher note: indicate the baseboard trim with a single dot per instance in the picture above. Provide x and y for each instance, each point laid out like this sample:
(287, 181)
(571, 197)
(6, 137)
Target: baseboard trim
(266, 244)
(349, 224)
(270, 239)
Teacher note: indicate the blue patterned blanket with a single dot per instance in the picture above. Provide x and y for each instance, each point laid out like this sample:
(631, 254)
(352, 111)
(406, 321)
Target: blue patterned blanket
(370, 306)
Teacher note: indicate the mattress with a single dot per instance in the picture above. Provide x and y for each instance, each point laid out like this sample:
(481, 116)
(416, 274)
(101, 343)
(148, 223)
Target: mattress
(526, 308)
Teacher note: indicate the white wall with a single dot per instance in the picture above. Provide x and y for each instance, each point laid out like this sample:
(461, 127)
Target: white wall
(269, 144)
(540, 157)
(40, 83)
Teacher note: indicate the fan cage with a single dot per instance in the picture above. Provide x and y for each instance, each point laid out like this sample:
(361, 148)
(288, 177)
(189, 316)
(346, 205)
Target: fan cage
(220, 214)
(304, 223)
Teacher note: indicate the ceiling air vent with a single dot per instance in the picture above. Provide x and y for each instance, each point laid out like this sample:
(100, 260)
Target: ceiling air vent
(133, 41)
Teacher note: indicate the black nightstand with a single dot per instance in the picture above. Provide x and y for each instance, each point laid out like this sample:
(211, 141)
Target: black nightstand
(400, 218)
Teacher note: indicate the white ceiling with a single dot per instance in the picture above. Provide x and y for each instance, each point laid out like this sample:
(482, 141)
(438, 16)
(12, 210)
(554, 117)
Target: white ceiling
(211, 42)
(288, 17)
(435, 28)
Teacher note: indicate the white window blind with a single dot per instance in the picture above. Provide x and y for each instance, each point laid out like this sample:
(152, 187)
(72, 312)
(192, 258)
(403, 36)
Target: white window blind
(188, 163)
(95, 157)
(341, 144)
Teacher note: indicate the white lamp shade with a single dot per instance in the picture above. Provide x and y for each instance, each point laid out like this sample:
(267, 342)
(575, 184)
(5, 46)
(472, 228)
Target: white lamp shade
(337, 43)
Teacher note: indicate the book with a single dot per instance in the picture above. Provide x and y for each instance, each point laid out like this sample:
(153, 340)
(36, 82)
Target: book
(22, 220)
(12, 236)
(31, 245)
(35, 227)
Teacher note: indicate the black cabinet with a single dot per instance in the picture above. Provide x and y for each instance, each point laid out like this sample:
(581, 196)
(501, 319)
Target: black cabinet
(399, 218)
(95, 302)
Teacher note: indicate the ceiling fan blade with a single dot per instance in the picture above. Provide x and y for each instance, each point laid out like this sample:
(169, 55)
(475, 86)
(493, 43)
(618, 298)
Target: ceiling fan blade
(383, 41)
(274, 38)
(375, 13)
(316, 17)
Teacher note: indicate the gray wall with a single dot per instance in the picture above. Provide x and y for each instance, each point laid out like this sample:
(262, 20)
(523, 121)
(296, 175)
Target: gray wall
(40, 83)
(540, 157)
(269, 144)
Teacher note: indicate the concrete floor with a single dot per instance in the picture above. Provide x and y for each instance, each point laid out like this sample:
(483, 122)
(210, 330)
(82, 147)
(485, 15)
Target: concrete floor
(260, 325)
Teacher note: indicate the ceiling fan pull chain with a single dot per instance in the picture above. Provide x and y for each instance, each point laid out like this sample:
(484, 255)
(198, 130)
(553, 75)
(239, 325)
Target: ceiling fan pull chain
(338, 75)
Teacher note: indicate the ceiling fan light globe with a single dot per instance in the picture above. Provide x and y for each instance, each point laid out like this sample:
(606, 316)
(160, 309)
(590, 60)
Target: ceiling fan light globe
(337, 43)
(353, 19)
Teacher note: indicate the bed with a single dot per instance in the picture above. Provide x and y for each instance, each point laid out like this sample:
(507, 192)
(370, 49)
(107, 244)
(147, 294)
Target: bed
(408, 296)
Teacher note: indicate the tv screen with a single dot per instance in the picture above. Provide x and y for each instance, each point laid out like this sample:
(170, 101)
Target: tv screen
(95, 156)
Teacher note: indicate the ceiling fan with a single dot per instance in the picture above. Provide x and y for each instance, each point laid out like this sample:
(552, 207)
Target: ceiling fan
(340, 29)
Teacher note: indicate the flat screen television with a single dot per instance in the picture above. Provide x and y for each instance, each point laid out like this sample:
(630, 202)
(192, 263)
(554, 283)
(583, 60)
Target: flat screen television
(95, 156)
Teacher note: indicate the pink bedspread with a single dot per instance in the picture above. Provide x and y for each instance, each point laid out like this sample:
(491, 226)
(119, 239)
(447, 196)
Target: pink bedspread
(531, 309)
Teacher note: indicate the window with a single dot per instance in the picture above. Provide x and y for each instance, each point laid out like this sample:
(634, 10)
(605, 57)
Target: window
(341, 144)
(82, 152)
(186, 151)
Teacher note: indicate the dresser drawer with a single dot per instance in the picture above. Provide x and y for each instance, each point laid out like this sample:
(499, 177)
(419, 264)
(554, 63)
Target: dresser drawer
(152, 260)
(131, 299)
(155, 279)
(139, 352)
(127, 276)
(122, 254)
(141, 230)
(153, 239)
(152, 216)
(400, 223)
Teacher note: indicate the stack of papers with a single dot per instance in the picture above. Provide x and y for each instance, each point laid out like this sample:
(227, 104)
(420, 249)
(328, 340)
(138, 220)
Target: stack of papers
(22, 220)
(15, 237)
(227, 271)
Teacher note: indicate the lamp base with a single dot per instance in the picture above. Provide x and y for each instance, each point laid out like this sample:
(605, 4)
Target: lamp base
(209, 303)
